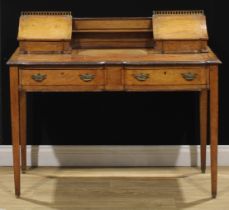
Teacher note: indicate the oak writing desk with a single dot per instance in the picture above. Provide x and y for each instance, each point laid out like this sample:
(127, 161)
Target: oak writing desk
(113, 54)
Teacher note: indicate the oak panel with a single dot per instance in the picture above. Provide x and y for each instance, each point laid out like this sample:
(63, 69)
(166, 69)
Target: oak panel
(62, 77)
(165, 76)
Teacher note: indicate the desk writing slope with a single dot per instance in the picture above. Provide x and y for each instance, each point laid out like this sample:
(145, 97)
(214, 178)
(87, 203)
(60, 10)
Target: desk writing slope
(45, 32)
(183, 31)
(113, 54)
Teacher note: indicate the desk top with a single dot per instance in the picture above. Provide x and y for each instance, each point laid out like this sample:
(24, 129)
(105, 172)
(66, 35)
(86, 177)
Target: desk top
(142, 56)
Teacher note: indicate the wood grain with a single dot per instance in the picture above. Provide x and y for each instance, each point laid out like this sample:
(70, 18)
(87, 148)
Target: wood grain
(108, 40)
(45, 47)
(181, 46)
(180, 27)
(68, 88)
(166, 76)
(23, 130)
(15, 125)
(114, 54)
(45, 27)
(180, 32)
(165, 88)
(45, 32)
(112, 25)
(114, 79)
(203, 126)
(214, 126)
(113, 57)
(62, 77)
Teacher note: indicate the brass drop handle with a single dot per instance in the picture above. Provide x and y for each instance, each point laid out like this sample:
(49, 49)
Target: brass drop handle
(141, 77)
(87, 77)
(189, 76)
(39, 77)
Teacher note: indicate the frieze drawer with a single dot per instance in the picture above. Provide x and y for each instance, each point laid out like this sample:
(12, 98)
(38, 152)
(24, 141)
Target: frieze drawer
(62, 77)
(166, 76)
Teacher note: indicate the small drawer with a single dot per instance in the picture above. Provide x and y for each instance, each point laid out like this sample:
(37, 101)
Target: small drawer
(166, 76)
(36, 77)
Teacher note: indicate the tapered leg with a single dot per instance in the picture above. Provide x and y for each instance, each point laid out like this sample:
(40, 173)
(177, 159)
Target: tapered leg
(14, 103)
(214, 126)
(23, 129)
(203, 127)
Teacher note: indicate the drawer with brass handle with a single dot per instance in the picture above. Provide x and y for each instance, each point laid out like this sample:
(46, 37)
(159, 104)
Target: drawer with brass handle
(166, 76)
(39, 77)
(87, 77)
(189, 76)
(141, 77)
(62, 77)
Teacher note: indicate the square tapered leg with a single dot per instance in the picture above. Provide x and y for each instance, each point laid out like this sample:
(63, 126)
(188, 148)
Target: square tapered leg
(203, 127)
(15, 126)
(214, 126)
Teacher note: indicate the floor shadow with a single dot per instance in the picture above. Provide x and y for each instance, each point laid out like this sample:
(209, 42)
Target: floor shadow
(114, 193)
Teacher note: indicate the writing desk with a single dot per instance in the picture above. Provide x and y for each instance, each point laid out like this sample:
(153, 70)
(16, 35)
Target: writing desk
(114, 59)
